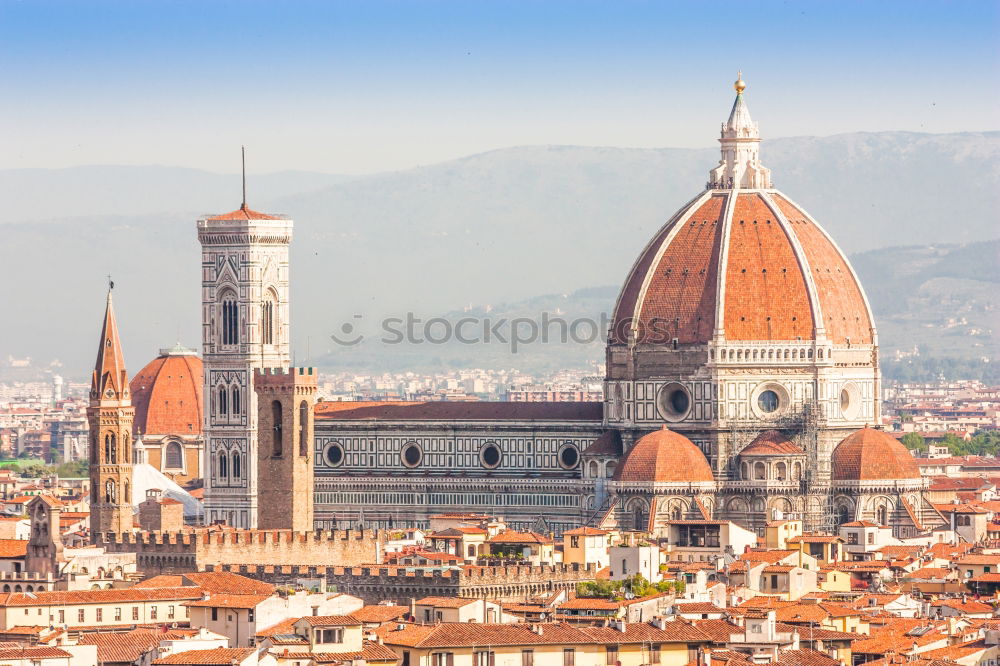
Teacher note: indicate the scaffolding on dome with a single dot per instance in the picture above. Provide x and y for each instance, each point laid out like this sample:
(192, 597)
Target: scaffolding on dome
(802, 423)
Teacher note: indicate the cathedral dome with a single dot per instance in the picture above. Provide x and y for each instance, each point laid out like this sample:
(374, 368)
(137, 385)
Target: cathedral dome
(167, 394)
(664, 456)
(771, 443)
(869, 455)
(741, 262)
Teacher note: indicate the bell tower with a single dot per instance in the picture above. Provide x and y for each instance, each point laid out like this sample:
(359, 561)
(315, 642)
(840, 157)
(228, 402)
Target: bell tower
(110, 415)
(244, 293)
(285, 402)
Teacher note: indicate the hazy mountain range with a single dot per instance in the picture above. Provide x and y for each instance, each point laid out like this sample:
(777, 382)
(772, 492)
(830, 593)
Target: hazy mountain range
(498, 227)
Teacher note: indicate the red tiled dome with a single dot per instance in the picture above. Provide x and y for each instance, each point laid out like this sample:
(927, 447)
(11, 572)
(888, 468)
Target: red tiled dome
(870, 454)
(771, 443)
(167, 394)
(777, 264)
(664, 456)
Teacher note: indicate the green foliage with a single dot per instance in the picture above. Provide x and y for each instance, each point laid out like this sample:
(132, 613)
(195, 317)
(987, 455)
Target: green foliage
(914, 442)
(615, 589)
(983, 443)
(33, 469)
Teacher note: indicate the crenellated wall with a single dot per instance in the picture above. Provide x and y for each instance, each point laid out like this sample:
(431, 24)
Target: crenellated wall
(172, 552)
(378, 583)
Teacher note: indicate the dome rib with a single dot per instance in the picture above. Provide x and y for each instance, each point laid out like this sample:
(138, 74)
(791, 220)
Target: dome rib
(629, 299)
(803, 261)
(844, 304)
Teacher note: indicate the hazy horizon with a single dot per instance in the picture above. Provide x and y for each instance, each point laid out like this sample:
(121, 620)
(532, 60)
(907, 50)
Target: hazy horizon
(359, 88)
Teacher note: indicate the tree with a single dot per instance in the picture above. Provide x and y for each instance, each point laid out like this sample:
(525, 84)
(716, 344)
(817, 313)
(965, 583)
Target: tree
(914, 442)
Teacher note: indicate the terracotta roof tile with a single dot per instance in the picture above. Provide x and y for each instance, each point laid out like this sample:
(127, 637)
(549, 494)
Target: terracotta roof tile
(870, 454)
(13, 548)
(664, 456)
(514, 537)
(216, 657)
(126, 646)
(445, 602)
(771, 443)
(229, 601)
(380, 613)
(167, 396)
(242, 213)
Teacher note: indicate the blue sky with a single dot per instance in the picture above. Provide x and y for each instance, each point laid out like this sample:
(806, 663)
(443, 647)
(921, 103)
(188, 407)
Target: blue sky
(355, 87)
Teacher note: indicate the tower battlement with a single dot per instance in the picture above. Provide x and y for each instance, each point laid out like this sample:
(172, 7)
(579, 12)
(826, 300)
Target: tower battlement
(204, 550)
(284, 377)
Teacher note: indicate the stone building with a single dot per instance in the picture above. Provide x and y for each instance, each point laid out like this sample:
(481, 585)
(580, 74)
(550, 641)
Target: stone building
(403, 462)
(110, 417)
(741, 327)
(375, 584)
(244, 327)
(285, 459)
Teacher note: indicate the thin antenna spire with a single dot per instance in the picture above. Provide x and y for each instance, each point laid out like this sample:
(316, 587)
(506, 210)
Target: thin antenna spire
(111, 283)
(243, 155)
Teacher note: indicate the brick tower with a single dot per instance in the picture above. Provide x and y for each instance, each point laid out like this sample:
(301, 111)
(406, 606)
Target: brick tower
(110, 415)
(244, 278)
(285, 400)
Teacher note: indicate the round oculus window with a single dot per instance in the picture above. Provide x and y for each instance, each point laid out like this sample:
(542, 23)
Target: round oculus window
(412, 454)
(768, 401)
(569, 456)
(674, 401)
(850, 401)
(333, 454)
(490, 456)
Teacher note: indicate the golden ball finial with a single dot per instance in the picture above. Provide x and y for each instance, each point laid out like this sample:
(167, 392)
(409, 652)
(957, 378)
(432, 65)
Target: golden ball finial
(740, 84)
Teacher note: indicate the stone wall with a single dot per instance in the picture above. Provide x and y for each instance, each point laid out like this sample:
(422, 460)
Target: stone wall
(177, 552)
(374, 584)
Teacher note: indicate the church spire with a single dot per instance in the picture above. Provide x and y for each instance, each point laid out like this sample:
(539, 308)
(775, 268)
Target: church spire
(110, 379)
(739, 166)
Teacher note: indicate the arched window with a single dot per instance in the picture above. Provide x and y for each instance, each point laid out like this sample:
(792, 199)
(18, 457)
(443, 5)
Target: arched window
(640, 517)
(230, 320)
(175, 456)
(882, 515)
(127, 493)
(781, 471)
(303, 428)
(276, 443)
(110, 492)
(110, 450)
(236, 401)
(267, 321)
(126, 453)
(237, 465)
(797, 467)
(759, 471)
(223, 466)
